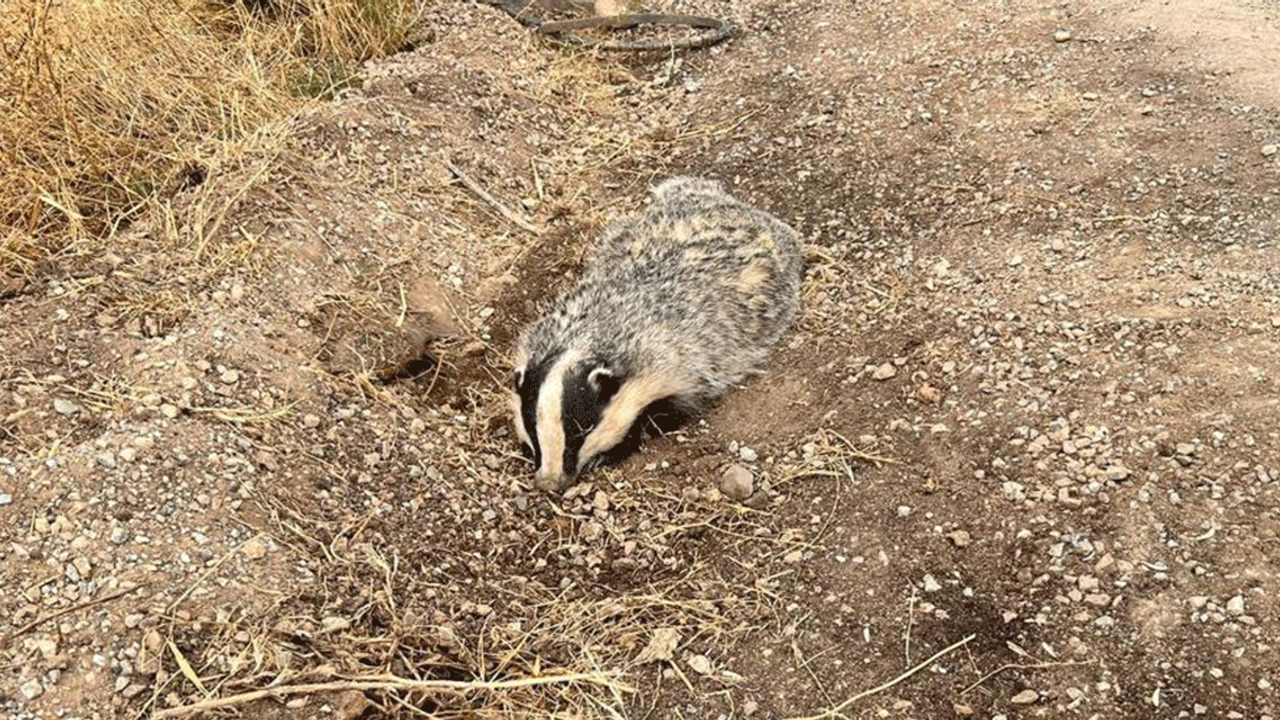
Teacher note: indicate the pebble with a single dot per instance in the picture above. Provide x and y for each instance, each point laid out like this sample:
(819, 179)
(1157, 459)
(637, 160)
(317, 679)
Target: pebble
(1270, 149)
(65, 407)
(5, 499)
(31, 689)
(959, 538)
(747, 454)
(1026, 697)
(169, 411)
(884, 372)
(1235, 605)
(254, 548)
(230, 377)
(931, 585)
(310, 421)
(118, 535)
(737, 483)
(699, 664)
(1061, 36)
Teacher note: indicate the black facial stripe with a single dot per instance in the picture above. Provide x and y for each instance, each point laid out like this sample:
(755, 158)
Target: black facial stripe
(534, 377)
(583, 408)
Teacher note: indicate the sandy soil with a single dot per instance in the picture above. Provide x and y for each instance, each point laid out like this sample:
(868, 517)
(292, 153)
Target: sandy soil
(1029, 422)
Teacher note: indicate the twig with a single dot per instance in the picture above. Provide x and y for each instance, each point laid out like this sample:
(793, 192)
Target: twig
(87, 604)
(911, 616)
(1023, 666)
(386, 682)
(480, 192)
(839, 709)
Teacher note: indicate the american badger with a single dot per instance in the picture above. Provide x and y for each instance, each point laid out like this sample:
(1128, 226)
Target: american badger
(676, 305)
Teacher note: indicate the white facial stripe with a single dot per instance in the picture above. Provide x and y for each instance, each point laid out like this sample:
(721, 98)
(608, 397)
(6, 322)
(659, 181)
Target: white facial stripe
(622, 411)
(521, 433)
(550, 428)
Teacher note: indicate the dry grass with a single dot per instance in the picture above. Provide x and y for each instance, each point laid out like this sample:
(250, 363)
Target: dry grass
(111, 105)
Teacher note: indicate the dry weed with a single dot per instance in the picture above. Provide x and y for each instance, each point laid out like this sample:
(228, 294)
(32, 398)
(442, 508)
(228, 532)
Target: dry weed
(113, 105)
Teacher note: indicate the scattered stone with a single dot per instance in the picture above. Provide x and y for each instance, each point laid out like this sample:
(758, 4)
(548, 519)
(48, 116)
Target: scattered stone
(884, 372)
(1026, 697)
(310, 421)
(65, 407)
(959, 538)
(169, 411)
(737, 483)
(1235, 605)
(962, 710)
(230, 377)
(1270, 149)
(1061, 36)
(5, 499)
(747, 454)
(699, 664)
(31, 689)
(118, 535)
(254, 548)
(931, 585)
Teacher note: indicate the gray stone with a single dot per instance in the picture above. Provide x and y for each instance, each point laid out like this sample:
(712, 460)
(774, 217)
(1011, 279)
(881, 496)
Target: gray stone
(737, 483)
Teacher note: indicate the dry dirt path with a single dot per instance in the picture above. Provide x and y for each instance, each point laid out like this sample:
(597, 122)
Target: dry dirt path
(1030, 416)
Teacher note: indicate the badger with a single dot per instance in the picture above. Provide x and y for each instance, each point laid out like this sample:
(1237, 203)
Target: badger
(676, 304)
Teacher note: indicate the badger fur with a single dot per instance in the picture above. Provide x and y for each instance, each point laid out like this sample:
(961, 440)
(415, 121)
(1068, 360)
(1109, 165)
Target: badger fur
(675, 306)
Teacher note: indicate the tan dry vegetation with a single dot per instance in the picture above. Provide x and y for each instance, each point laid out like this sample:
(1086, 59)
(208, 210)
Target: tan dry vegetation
(113, 105)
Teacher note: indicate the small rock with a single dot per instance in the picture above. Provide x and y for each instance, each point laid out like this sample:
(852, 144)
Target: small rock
(1026, 697)
(1061, 36)
(961, 709)
(930, 584)
(959, 538)
(699, 664)
(5, 499)
(884, 372)
(1015, 261)
(133, 620)
(1235, 605)
(107, 460)
(118, 535)
(928, 393)
(230, 377)
(31, 689)
(750, 707)
(64, 407)
(254, 548)
(737, 483)
(169, 411)
(1090, 96)
(1270, 149)
(793, 557)
(747, 454)
(310, 421)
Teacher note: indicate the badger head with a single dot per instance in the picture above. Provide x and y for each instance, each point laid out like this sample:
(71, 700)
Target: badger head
(575, 410)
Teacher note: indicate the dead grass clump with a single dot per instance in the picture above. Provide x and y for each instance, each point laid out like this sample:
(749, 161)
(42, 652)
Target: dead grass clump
(110, 105)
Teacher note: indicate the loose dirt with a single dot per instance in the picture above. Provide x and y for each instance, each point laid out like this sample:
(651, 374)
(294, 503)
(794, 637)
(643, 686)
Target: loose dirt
(1029, 422)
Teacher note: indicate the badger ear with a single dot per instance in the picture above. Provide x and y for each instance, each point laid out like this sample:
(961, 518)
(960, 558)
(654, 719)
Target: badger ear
(516, 379)
(604, 381)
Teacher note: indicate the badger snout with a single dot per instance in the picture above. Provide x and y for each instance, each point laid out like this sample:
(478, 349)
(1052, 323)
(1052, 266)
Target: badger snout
(552, 482)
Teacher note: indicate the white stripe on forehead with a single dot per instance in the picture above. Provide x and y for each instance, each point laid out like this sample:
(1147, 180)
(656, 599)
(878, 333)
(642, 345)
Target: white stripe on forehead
(550, 427)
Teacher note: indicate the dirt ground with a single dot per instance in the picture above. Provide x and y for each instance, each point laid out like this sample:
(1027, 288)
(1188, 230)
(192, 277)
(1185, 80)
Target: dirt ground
(1025, 439)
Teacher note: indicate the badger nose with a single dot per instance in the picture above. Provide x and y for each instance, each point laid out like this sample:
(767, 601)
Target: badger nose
(551, 482)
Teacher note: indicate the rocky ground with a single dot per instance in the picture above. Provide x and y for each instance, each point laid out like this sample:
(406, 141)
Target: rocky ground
(1028, 426)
